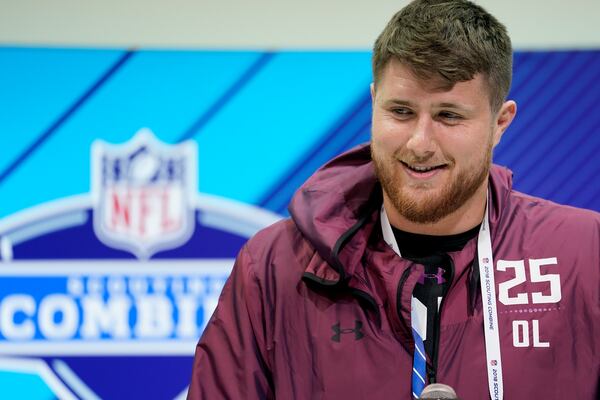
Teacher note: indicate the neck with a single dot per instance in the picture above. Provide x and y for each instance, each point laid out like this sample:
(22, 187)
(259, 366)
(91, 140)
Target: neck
(466, 217)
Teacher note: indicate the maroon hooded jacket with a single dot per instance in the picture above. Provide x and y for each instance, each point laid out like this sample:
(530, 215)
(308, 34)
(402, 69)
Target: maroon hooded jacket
(318, 306)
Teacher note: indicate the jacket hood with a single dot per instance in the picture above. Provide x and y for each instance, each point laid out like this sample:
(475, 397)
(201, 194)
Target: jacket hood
(345, 195)
(337, 197)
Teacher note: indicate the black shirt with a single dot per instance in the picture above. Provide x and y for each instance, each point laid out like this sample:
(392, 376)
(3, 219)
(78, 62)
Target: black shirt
(432, 253)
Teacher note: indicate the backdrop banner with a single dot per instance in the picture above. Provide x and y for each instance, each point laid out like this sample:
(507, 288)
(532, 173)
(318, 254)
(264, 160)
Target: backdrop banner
(129, 180)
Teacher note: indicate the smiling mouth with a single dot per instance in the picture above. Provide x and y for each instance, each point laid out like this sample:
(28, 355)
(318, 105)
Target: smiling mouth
(423, 168)
(422, 173)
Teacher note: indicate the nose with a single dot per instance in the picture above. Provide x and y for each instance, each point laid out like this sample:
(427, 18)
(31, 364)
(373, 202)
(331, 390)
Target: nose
(421, 141)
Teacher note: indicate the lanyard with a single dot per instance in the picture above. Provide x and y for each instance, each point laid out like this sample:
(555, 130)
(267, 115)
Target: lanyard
(488, 296)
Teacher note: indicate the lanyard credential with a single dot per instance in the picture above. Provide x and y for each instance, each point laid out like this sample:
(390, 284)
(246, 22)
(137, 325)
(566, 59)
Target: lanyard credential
(488, 295)
(488, 298)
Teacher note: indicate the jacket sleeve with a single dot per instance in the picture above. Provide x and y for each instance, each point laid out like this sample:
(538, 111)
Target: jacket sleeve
(230, 358)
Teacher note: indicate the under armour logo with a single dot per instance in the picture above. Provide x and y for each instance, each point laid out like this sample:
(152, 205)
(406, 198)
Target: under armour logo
(357, 330)
(439, 277)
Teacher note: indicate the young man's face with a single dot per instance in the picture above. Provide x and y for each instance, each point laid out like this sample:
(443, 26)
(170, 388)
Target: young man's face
(432, 147)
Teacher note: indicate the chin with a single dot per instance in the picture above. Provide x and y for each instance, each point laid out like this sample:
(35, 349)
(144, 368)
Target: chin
(420, 189)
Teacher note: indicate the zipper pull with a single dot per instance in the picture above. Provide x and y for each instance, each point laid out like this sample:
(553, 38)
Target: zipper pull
(473, 286)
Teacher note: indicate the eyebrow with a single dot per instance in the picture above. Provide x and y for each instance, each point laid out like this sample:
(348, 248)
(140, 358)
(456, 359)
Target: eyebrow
(400, 102)
(454, 105)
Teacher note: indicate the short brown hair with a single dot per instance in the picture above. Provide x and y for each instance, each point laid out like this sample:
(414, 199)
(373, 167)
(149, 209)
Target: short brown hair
(451, 39)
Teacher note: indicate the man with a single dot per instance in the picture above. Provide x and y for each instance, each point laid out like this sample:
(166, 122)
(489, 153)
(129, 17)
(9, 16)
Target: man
(412, 261)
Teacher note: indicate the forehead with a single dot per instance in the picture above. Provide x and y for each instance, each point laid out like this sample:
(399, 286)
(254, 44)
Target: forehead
(398, 80)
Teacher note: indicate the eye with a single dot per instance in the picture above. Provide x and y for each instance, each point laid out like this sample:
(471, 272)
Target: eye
(402, 112)
(449, 116)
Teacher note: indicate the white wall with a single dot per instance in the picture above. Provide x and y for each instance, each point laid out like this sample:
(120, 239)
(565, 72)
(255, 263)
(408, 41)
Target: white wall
(319, 24)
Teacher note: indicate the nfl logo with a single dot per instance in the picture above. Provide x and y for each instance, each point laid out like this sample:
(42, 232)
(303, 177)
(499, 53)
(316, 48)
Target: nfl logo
(100, 313)
(143, 193)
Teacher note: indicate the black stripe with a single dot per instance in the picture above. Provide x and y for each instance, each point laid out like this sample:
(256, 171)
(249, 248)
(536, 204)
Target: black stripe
(320, 152)
(229, 94)
(65, 116)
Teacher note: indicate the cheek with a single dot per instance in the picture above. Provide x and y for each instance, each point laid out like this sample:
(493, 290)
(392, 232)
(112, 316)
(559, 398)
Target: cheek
(388, 132)
(378, 147)
(470, 154)
(385, 146)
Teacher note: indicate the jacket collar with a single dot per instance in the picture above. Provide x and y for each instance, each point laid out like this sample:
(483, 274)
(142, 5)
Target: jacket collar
(339, 206)
(386, 230)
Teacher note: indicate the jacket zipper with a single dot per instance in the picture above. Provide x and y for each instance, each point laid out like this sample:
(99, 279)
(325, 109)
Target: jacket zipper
(401, 283)
(432, 370)
(432, 366)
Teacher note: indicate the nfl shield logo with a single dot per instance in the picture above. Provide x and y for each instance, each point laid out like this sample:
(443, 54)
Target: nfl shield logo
(143, 193)
(79, 315)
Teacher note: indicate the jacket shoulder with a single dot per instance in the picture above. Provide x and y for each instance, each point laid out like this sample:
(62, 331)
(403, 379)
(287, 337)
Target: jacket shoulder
(267, 235)
(531, 204)
(555, 222)
(279, 249)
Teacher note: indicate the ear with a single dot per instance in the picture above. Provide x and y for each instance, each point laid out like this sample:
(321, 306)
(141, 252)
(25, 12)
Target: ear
(504, 117)
(372, 92)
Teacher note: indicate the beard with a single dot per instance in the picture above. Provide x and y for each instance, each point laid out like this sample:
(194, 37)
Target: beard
(432, 204)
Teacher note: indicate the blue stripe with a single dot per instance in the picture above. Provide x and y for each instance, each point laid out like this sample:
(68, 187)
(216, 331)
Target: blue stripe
(524, 65)
(527, 85)
(563, 134)
(528, 66)
(361, 135)
(549, 66)
(329, 145)
(285, 195)
(230, 93)
(586, 196)
(540, 112)
(65, 116)
(581, 185)
(542, 117)
(261, 133)
(541, 81)
(550, 168)
(419, 364)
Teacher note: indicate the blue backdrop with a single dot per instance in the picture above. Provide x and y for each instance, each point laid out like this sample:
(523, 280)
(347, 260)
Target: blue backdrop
(262, 122)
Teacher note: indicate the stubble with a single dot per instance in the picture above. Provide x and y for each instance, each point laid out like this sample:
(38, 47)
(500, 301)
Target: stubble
(430, 206)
